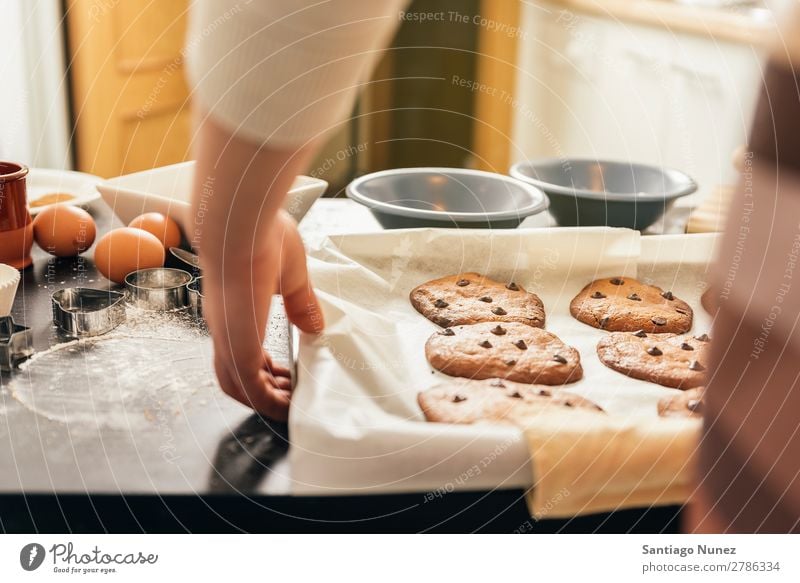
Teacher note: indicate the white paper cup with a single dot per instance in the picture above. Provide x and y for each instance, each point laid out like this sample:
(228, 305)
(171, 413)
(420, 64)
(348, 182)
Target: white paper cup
(9, 280)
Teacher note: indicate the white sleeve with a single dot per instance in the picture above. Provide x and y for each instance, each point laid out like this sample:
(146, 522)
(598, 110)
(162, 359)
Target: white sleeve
(285, 72)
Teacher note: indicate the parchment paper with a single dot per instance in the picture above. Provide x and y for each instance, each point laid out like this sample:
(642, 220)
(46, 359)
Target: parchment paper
(355, 424)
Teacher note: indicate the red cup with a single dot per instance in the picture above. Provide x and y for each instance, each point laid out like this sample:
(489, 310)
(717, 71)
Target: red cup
(16, 227)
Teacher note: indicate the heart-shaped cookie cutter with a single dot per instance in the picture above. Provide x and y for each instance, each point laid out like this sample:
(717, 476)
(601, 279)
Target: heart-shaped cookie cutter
(83, 312)
(160, 288)
(16, 343)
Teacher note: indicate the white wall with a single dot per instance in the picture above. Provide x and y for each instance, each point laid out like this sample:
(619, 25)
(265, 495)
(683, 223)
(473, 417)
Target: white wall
(33, 104)
(598, 88)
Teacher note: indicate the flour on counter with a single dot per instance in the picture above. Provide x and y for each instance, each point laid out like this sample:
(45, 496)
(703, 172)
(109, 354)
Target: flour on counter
(148, 370)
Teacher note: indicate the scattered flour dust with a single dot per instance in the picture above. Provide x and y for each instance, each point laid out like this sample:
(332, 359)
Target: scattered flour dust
(153, 363)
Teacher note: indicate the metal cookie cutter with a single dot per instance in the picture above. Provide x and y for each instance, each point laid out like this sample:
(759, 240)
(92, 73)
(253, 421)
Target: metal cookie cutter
(195, 290)
(160, 288)
(16, 343)
(190, 261)
(82, 311)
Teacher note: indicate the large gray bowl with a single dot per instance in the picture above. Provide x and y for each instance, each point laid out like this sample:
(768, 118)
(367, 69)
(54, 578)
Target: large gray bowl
(597, 192)
(446, 197)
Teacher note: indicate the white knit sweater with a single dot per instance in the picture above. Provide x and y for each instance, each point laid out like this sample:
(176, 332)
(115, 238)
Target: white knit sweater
(285, 72)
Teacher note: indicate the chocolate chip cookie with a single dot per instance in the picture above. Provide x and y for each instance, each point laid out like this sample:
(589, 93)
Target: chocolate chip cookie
(622, 304)
(495, 401)
(508, 350)
(469, 298)
(689, 403)
(672, 360)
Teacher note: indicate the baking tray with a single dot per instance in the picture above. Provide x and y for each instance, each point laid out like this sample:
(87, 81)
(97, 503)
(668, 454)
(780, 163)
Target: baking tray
(355, 424)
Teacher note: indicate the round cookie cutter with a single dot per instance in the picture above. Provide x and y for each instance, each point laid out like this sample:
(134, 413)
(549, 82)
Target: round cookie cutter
(159, 289)
(194, 289)
(84, 312)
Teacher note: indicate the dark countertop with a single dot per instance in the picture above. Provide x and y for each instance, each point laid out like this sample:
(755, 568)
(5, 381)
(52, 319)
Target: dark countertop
(205, 464)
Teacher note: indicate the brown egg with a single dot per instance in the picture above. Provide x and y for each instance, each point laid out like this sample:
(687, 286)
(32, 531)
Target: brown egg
(125, 250)
(64, 231)
(163, 227)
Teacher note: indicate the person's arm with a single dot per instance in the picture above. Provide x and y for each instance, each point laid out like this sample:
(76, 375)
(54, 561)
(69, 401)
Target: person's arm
(249, 250)
(270, 79)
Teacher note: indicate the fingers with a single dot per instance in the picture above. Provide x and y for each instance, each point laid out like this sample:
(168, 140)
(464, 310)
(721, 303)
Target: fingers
(282, 383)
(300, 302)
(268, 399)
(276, 369)
(267, 391)
(259, 394)
(303, 310)
(245, 371)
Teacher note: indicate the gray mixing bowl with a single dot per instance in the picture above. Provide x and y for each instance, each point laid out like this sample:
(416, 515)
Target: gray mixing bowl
(446, 197)
(596, 192)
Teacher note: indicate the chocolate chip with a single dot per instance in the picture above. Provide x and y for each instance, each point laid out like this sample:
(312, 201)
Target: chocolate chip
(511, 362)
(462, 282)
(498, 330)
(686, 346)
(684, 312)
(485, 344)
(659, 321)
(447, 332)
(521, 345)
(440, 303)
(635, 298)
(459, 398)
(545, 393)
(694, 365)
(640, 334)
(486, 299)
(512, 286)
(598, 295)
(702, 338)
(616, 281)
(559, 359)
(604, 321)
(497, 383)
(667, 295)
(695, 405)
(654, 351)
(444, 322)
(516, 395)
(568, 404)
(499, 311)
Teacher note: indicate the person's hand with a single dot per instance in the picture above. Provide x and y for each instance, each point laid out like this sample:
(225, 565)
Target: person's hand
(249, 249)
(244, 369)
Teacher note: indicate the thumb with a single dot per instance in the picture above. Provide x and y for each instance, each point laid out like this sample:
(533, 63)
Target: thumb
(303, 309)
(300, 302)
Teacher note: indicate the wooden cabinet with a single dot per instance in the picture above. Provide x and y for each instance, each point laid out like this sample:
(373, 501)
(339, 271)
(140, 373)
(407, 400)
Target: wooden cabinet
(130, 101)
